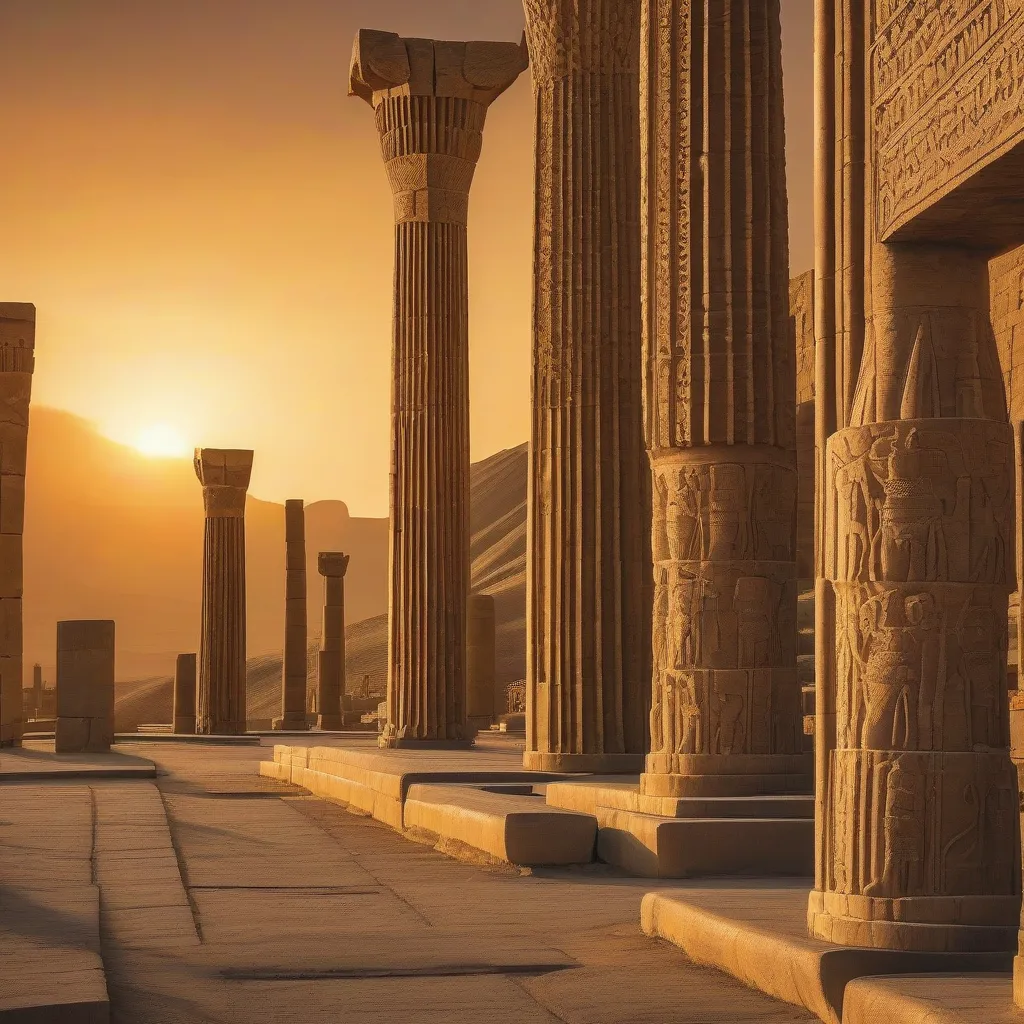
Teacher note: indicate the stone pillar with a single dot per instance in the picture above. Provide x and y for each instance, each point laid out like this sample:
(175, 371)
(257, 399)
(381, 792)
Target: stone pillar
(17, 361)
(920, 837)
(430, 102)
(480, 662)
(224, 475)
(588, 563)
(331, 658)
(184, 695)
(720, 404)
(37, 690)
(293, 667)
(85, 686)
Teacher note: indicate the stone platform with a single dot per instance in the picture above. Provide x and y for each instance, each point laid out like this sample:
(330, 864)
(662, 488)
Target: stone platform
(35, 760)
(683, 837)
(758, 934)
(932, 999)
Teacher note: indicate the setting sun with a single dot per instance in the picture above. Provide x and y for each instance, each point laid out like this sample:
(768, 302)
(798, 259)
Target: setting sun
(162, 441)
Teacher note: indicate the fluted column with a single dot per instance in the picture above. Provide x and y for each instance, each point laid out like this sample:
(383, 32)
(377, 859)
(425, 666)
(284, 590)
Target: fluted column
(17, 361)
(331, 658)
(184, 713)
(430, 102)
(720, 403)
(224, 475)
(293, 666)
(588, 563)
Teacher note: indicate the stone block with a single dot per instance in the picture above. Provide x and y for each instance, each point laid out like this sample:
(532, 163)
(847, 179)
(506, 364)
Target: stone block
(11, 565)
(85, 685)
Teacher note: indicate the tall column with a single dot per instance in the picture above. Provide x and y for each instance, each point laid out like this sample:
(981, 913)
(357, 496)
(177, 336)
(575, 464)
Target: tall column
(480, 662)
(920, 832)
(224, 474)
(430, 102)
(37, 690)
(17, 361)
(293, 666)
(588, 567)
(184, 695)
(720, 403)
(331, 657)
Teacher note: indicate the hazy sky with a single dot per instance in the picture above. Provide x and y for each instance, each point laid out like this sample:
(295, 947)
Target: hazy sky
(201, 215)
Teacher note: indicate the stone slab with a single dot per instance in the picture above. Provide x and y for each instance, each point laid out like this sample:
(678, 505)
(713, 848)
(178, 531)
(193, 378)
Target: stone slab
(513, 828)
(36, 761)
(660, 847)
(251, 740)
(932, 999)
(758, 934)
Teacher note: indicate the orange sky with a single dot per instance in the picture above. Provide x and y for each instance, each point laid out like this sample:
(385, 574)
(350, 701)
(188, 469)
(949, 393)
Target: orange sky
(201, 215)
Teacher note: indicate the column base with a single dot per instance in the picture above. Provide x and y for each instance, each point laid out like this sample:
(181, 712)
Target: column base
(599, 764)
(184, 727)
(927, 924)
(291, 723)
(329, 723)
(710, 775)
(385, 742)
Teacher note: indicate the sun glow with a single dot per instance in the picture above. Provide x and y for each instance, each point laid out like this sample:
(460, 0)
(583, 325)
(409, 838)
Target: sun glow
(162, 441)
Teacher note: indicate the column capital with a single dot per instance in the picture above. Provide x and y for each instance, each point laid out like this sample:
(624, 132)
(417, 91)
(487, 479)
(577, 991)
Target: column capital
(569, 37)
(332, 563)
(224, 474)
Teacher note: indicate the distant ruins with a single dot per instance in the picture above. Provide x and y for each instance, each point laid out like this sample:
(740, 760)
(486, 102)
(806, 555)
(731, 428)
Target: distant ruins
(17, 362)
(293, 666)
(224, 474)
(430, 103)
(331, 657)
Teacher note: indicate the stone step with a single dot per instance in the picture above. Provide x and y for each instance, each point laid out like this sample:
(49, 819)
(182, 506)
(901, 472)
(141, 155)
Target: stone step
(516, 829)
(655, 847)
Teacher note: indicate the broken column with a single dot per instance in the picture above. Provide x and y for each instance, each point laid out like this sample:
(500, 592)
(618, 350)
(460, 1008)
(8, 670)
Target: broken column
(184, 718)
(17, 361)
(293, 667)
(480, 662)
(85, 686)
(720, 404)
(588, 563)
(331, 657)
(224, 474)
(430, 101)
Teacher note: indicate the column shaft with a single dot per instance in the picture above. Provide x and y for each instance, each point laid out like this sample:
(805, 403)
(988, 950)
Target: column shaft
(588, 563)
(184, 716)
(17, 362)
(720, 403)
(331, 657)
(293, 667)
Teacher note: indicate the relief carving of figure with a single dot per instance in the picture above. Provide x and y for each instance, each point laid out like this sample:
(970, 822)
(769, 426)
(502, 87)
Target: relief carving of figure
(903, 834)
(730, 526)
(756, 601)
(682, 624)
(684, 521)
(730, 693)
(689, 734)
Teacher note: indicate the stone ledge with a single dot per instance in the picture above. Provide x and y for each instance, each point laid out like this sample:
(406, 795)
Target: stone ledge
(519, 830)
(758, 935)
(932, 999)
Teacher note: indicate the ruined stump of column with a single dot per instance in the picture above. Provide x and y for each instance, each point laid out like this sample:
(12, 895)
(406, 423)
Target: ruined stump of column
(85, 686)
(293, 667)
(588, 563)
(331, 657)
(17, 362)
(184, 717)
(430, 102)
(720, 404)
(224, 474)
(481, 663)
(920, 840)
(36, 700)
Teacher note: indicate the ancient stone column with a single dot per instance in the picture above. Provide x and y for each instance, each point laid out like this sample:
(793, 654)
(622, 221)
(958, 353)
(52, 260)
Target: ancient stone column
(920, 831)
(331, 657)
(184, 695)
(430, 102)
(588, 566)
(37, 690)
(17, 361)
(720, 403)
(85, 686)
(224, 475)
(480, 662)
(293, 668)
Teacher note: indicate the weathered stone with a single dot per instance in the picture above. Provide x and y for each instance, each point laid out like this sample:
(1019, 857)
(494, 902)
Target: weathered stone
(331, 657)
(85, 686)
(293, 667)
(430, 103)
(719, 352)
(224, 474)
(17, 362)
(184, 695)
(588, 559)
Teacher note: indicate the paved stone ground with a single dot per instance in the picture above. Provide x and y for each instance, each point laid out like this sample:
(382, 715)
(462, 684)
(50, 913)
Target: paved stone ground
(231, 899)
